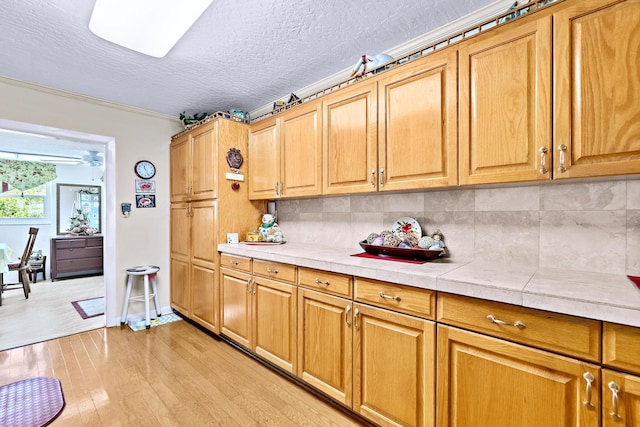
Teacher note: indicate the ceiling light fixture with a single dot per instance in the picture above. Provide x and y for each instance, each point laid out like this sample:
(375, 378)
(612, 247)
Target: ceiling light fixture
(151, 27)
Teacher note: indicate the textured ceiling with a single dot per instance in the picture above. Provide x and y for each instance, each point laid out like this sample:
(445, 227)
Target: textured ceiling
(237, 55)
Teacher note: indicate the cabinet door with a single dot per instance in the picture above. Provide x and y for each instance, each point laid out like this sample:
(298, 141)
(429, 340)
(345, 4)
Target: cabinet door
(180, 252)
(180, 286)
(488, 382)
(180, 155)
(393, 367)
(264, 159)
(597, 88)
(620, 399)
(204, 161)
(204, 296)
(274, 317)
(325, 344)
(350, 140)
(301, 151)
(505, 104)
(417, 118)
(235, 298)
(203, 263)
(204, 250)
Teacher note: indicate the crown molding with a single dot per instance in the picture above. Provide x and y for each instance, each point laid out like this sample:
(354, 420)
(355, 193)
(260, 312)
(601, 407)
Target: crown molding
(454, 27)
(84, 98)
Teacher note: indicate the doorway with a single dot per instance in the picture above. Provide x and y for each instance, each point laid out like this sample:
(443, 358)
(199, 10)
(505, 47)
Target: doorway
(64, 142)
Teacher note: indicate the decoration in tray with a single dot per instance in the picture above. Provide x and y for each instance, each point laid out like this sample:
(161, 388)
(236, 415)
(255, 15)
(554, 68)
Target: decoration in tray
(405, 240)
(268, 232)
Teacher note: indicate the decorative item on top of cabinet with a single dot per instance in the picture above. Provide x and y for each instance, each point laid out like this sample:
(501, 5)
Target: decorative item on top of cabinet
(596, 82)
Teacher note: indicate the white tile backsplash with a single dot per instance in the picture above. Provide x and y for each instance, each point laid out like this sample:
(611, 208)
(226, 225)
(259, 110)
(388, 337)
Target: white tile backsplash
(590, 226)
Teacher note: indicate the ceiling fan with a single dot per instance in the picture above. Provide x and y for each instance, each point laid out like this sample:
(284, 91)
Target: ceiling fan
(93, 159)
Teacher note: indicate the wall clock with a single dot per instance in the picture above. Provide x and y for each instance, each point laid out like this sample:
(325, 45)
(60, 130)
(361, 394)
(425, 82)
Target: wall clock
(145, 169)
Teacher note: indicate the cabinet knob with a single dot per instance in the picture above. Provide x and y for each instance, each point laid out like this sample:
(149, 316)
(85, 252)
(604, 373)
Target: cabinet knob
(615, 389)
(543, 160)
(589, 378)
(562, 149)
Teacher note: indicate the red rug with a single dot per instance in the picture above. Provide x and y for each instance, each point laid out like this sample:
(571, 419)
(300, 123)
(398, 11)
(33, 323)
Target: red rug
(31, 402)
(636, 280)
(389, 258)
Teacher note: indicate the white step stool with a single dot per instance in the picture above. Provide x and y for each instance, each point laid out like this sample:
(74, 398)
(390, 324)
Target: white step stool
(149, 273)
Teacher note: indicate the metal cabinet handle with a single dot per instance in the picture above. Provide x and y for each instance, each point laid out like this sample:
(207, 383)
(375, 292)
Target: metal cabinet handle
(269, 270)
(281, 188)
(383, 295)
(589, 378)
(562, 149)
(517, 324)
(615, 389)
(381, 177)
(543, 160)
(346, 315)
(321, 282)
(275, 188)
(355, 319)
(373, 178)
(249, 286)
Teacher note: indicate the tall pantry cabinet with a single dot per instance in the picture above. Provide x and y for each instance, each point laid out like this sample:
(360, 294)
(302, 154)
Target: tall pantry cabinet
(208, 200)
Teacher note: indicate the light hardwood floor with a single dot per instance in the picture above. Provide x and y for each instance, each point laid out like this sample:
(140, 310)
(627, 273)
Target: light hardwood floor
(170, 375)
(48, 312)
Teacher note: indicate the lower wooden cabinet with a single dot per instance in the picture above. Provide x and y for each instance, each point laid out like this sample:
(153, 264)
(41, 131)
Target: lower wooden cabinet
(325, 343)
(376, 361)
(260, 314)
(393, 367)
(487, 382)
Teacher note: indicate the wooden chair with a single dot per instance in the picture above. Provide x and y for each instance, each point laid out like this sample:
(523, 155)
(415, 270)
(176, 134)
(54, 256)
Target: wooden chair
(39, 267)
(23, 268)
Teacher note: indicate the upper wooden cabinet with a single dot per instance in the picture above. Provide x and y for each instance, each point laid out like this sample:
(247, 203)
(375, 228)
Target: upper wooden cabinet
(597, 88)
(395, 132)
(286, 154)
(505, 104)
(194, 160)
(350, 140)
(264, 159)
(417, 118)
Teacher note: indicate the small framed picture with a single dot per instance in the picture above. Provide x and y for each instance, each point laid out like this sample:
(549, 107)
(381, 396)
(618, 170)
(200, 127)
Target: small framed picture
(145, 186)
(145, 200)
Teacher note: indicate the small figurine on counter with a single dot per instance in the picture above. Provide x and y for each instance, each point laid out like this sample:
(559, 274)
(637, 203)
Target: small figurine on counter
(438, 241)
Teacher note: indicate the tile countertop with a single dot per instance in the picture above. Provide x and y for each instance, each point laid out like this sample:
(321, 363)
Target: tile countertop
(607, 297)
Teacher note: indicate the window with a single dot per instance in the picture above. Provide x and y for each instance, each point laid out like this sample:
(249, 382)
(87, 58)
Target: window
(29, 204)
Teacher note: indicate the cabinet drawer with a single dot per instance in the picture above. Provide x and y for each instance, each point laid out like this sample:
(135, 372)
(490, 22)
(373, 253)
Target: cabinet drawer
(76, 253)
(94, 241)
(333, 283)
(405, 299)
(561, 333)
(70, 243)
(275, 270)
(621, 347)
(236, 262)
(79, 265)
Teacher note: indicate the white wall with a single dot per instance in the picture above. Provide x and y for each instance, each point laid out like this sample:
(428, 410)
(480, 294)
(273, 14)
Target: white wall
(143, 238)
